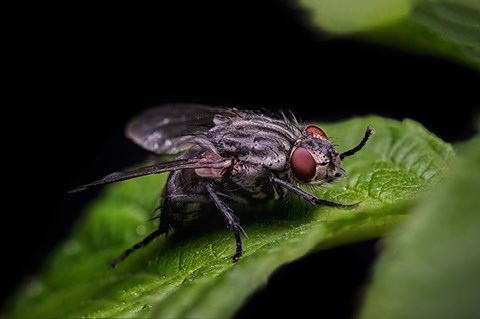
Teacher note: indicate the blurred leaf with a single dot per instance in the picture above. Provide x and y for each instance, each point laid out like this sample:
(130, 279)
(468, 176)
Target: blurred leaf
(347, 16)
(448, 28)
(191, 275)
(431, 269)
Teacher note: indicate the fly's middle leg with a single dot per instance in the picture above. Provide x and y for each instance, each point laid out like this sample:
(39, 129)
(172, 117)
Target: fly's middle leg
(233, 221)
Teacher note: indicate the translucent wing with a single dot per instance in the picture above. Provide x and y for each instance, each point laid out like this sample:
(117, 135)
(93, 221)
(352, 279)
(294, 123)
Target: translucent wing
(171, 128)
(216, 162)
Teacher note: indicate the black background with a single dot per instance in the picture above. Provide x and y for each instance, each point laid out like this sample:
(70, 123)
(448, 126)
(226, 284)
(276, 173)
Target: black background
(83, 73)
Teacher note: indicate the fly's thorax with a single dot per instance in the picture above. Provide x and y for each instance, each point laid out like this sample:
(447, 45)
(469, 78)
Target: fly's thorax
(313, 159)
(255, 139)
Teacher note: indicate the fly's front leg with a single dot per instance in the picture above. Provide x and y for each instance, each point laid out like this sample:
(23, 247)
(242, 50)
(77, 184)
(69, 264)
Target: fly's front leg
(233, 222)
(309, 197)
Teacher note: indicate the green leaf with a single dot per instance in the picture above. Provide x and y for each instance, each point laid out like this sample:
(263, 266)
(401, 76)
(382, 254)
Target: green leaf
(347, 16)
(191, 274)
(431, 269)
(448, 28)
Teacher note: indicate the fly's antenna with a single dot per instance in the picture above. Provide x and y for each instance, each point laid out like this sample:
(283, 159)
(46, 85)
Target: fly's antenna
(369, 132)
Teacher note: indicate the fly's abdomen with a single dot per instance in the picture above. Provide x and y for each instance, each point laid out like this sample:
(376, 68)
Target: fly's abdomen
(185, 199)
(184, 214)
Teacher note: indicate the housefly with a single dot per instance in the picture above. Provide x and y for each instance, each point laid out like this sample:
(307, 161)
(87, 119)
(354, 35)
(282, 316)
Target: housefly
(228, 156)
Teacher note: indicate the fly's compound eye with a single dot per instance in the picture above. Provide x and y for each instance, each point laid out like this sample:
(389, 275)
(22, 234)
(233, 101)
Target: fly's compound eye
(303, 165)
(316, 132)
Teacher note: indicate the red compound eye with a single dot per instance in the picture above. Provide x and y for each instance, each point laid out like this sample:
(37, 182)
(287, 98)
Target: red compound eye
(316, 131)
(303, 165)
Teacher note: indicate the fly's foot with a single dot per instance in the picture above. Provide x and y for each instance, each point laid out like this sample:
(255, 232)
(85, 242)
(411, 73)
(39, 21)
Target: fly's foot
(348, 206)
(333, 204)
(237, 256)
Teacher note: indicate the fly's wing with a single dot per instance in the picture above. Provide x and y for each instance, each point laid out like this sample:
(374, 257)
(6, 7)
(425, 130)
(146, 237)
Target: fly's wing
(170, 129)
(212, 161)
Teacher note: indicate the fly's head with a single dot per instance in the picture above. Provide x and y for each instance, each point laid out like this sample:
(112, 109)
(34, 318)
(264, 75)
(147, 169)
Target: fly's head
(314, 160)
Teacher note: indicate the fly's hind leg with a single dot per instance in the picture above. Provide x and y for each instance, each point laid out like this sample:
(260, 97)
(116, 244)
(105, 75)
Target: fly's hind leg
(233, 222)
(162, 229)
(166, 205)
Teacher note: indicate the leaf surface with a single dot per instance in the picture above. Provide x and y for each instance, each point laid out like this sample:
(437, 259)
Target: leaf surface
(191, 274)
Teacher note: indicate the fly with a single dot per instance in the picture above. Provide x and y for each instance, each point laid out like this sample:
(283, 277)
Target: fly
(226, 156)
